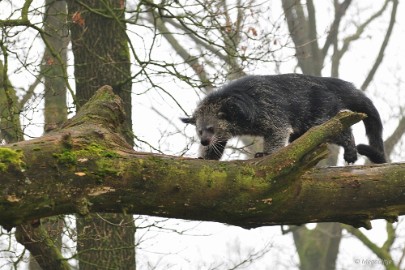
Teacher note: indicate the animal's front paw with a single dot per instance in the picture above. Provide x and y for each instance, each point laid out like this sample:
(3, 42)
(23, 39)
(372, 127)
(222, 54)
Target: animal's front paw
(261, 154)
(350, 156)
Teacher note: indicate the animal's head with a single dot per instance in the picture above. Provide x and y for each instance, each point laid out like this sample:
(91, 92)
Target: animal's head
(217, 120)
(211, 127)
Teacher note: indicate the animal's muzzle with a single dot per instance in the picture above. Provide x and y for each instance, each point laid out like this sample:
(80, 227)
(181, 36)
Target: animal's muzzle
(205, 142)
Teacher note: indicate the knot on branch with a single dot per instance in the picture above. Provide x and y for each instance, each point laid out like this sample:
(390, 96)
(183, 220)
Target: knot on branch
(103, 109)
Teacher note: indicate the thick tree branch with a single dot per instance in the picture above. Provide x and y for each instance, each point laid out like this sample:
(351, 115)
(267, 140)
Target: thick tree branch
(42, 247)
(87, 166)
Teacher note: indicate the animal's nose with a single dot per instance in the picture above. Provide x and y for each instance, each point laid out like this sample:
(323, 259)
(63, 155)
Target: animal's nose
(205, 142)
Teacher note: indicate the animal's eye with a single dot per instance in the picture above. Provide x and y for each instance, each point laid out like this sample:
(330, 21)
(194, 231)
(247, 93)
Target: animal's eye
(210, 129)
(199, 132)
(221, 115)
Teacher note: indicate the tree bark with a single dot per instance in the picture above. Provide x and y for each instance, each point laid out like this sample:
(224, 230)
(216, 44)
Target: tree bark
(53, 70)
(325, 237)
(44, 242)
(88, 167)
(44, 245)
(101, 52)
(10, 126)
(100, 48)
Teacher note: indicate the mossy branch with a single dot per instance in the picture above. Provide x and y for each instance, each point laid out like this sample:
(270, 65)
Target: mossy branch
(87, 166)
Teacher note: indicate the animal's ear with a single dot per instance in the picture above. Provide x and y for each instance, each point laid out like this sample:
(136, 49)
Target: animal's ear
(188, 120)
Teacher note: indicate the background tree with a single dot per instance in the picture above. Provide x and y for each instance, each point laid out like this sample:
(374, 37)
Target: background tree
(101, 56)
(52, 72)
(319, 248)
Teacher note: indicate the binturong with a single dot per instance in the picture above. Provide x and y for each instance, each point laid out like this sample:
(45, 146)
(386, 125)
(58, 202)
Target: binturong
(280, 108)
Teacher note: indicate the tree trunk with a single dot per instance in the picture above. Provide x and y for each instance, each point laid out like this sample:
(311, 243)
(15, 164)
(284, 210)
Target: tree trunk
(54, 66)
(100, 48)
(45, 242)
(325, 237)
(10, 126)
(317, 249)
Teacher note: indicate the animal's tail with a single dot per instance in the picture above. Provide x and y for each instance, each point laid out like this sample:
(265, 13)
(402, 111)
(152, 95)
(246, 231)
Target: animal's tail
(375, 150)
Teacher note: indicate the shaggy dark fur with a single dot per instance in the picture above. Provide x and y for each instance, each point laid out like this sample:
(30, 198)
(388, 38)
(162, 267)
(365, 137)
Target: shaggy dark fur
(281, 108)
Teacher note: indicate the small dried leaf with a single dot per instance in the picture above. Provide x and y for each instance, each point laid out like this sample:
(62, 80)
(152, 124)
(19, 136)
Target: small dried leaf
(253, 31)
(77, 18)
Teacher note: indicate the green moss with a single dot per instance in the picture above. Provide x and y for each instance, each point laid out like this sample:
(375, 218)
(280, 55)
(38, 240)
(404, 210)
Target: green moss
(67, 157)
(107, 167)
(175, 170)
(212, 177)
(70, 157)
(82, 206)
(248, 172)
(10, 157)
(95, 150)
(104, 164)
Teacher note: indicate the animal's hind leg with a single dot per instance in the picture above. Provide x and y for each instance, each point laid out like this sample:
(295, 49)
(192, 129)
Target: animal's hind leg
(275, 141)
(346, 140)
